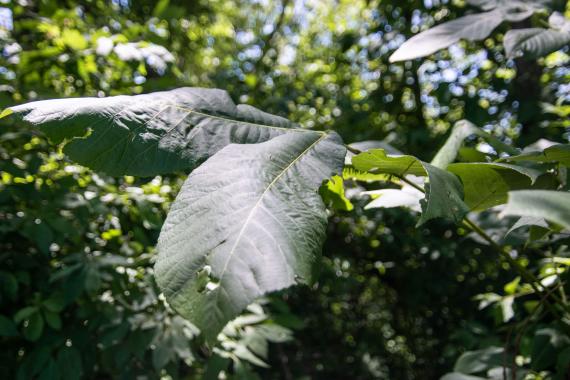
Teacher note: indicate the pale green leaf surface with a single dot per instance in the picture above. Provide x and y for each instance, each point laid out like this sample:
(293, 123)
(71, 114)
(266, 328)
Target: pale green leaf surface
(150, 134)
(486, 184)
(246, 222)
(444, 193)
(553, 206)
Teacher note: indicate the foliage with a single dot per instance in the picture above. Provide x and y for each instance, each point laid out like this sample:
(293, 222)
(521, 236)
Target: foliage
(399, 298)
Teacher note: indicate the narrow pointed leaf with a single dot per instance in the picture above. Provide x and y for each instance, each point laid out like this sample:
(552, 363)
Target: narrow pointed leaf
(150, 134)
(246, 222)
(538, 42)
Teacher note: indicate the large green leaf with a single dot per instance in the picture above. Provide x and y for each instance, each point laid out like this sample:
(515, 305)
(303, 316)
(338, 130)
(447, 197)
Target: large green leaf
(487, 184)
(550, 205)
(538, 42)
(444, 193)
(473, 27)
(150, 134)
(247, 222)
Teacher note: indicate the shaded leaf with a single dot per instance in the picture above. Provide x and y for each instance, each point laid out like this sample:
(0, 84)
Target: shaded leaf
(150, 134)
(473, 362)
(444, 193)
(556, 153)
(550, 205)
(462, 130)
(7, 327)
(234, 235)
(332, 192)
(546, 344)
(487, 184)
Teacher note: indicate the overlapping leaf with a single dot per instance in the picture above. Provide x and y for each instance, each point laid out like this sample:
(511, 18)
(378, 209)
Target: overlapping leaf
(444, 193)
(248, 221)
(553, 206)
(150, 134)
(538, 42)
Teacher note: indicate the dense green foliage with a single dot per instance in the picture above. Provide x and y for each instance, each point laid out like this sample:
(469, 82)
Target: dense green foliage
(393, 299)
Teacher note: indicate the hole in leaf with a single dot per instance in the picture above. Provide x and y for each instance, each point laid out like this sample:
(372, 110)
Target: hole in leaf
(205, 280)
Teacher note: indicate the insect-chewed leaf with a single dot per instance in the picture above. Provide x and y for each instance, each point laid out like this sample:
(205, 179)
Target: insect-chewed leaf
(150, 134)
(248, 221)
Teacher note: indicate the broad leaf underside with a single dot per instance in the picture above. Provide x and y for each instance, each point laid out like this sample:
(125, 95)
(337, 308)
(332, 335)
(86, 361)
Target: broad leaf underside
(248, 221)
(264, 233)
(146, 135)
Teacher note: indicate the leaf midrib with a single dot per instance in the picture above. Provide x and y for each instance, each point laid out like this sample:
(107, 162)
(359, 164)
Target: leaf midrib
(258, 203)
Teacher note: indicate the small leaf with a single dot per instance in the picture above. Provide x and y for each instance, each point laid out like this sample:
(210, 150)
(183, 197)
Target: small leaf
(550, 205)
(34, 328)
(473, 362)
(333, 193)
(7, 327)
(24, 313)
(546, 344)
(52, 319)
(69, 363)
(444, 193)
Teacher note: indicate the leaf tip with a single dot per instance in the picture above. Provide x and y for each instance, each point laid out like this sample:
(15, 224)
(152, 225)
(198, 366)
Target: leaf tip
(6, 112)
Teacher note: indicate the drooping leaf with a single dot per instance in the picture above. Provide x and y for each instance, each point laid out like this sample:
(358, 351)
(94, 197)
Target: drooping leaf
(538, 42)
(462, 130)
(247, 222)
(444, 193)
(547, 343)
(473, 362)
(150, 134)
(473, 27)
(556, 153)
(553, 206)
(486, 184)
(332, 192)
